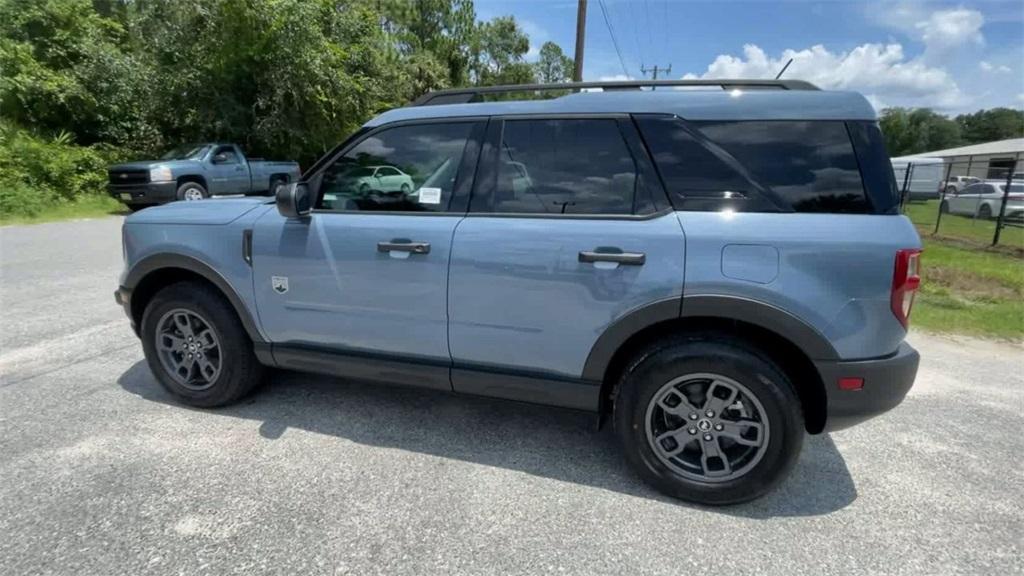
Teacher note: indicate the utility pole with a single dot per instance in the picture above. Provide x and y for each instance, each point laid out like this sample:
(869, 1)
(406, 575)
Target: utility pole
(655, 71)
(581, 29)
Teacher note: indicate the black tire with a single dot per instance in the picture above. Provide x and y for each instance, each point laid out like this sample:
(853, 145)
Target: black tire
(405, 188)
(717, 354)
(239, 373)
(944, 207)
(188, 188)
(985, 212)
(364, 189)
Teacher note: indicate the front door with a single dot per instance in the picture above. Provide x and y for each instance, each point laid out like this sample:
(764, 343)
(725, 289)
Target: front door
(568, 231)
(227, 173)
(366, 275)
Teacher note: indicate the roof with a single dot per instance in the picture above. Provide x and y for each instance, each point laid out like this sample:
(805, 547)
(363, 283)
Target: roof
(689, 104)
(1010, 146)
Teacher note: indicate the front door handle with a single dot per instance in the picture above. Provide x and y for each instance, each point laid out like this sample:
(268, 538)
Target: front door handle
(403, 245)
(610, 254)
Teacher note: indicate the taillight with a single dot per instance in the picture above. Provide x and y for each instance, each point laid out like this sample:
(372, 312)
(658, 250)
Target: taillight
(906, 279)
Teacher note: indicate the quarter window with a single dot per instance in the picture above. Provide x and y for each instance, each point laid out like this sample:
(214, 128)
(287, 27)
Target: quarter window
(571, 166)
(405, 169)
(806, 166)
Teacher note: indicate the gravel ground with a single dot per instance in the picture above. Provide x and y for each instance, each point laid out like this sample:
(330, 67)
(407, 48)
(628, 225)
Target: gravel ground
(101, 473)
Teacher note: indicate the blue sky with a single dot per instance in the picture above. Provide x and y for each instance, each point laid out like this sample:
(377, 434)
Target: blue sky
(951, 56)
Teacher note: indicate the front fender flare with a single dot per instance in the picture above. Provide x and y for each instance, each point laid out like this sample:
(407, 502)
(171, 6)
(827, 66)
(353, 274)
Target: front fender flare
(156, 262)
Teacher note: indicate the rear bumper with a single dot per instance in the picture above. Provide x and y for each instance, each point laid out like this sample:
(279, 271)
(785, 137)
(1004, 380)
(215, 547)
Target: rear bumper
(147, 193)
(886, 382)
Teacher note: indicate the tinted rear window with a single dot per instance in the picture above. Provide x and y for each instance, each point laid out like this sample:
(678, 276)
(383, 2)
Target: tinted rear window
(804, 166)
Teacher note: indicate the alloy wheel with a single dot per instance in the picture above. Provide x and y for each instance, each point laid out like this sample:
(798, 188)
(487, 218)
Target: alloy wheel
(707, 427)
(189, 349)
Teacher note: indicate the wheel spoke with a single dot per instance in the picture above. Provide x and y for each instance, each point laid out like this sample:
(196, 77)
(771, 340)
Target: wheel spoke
(739, 432)
(716, 403)
(184, 368)
(681, 438)
(184, 324)
(171, 342)
(713, 460)
(682, 409)
(206, 368)
(206, 340)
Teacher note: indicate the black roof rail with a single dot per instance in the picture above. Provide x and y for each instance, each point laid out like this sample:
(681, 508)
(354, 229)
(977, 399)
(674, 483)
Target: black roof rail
(473, 93)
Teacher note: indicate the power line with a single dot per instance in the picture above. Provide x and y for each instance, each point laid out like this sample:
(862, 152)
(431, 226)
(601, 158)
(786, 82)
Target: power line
(611, 32)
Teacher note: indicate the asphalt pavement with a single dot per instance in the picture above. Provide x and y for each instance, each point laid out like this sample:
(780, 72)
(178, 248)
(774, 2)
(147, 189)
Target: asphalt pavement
(102, 473)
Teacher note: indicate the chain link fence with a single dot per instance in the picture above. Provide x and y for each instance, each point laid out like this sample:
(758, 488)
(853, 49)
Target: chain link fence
(976, 202)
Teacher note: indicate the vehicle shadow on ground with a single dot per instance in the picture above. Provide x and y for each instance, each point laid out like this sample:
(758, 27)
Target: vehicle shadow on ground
(544, 441)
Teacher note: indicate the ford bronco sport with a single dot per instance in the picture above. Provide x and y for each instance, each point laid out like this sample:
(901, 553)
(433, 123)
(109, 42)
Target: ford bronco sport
(718, 272)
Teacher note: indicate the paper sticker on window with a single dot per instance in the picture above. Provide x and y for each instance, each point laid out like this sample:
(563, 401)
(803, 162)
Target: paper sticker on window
(430, 195)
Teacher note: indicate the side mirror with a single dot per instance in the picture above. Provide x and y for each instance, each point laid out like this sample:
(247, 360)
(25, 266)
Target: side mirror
(293, 200)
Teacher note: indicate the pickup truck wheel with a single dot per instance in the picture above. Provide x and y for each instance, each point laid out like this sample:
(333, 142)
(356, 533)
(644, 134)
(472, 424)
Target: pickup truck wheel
(192, 191)
(708, 419)
(196, 346)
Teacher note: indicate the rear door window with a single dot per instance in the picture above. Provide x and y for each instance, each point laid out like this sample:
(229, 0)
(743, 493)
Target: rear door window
(565, 166)
(803, 166)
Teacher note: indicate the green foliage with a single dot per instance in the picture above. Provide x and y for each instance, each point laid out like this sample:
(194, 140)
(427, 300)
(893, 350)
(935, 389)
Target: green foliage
(37, 172)
(990, 125)
(911, 131)
(917, 130)
(65, 68)
(286, 79)
(553, 66)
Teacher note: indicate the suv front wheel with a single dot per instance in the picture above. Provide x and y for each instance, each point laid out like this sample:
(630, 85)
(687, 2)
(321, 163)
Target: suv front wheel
(196, 346)
(708, 419)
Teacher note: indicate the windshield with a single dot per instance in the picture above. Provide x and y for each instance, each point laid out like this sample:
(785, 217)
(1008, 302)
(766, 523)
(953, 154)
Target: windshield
(184, 152)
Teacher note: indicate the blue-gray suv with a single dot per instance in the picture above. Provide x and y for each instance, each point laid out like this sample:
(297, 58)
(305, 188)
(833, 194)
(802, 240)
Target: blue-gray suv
(716, 270)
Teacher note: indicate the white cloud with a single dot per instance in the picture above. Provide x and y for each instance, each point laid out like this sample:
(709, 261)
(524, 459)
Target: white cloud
(989, 67)
(948, 29)
(940, 31)
(615, 78)
(880, 71)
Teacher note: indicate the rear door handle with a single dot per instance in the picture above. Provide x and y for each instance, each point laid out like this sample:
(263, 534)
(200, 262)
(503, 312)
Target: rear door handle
(403, 245)
(605, 254)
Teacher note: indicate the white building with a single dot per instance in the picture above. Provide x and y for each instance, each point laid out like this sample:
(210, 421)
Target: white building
(990, 160)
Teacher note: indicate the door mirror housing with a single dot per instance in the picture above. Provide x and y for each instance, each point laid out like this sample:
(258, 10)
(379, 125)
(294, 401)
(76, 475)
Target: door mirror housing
(220, 158)
(294, 200)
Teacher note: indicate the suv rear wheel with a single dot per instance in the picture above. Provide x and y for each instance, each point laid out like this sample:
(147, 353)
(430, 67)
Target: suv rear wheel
(708, 419)
(196, 346)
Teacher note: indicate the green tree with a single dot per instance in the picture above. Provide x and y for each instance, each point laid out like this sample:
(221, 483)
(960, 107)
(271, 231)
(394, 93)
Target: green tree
(290, 78)
(912, 131)
(499, 53)
(553, 66)
(65, 68)
(991, 125)
(433, 39)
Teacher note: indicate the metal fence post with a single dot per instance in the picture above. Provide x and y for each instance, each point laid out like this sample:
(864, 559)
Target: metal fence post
(1002, 205)
(942, 196)
(905, 194)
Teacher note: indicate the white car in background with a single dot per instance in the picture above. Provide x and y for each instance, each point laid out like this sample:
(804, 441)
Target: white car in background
(958, 183)
(983, 199)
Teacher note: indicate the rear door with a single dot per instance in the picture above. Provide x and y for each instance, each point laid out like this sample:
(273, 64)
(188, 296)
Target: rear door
(568, 230)
(366, 275)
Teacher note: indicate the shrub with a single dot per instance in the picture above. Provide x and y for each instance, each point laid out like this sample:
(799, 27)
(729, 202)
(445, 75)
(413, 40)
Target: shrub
(36, 172)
